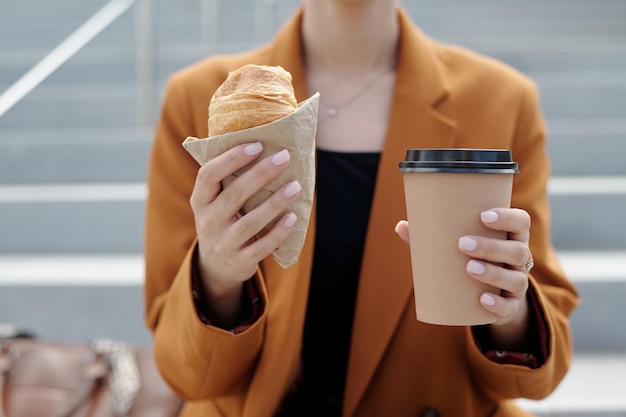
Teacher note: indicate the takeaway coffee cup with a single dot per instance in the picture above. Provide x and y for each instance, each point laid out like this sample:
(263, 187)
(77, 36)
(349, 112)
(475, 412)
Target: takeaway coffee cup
(445, 192)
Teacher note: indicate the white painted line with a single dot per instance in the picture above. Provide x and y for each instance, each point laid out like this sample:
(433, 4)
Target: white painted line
(42, 193)
(79, 270)
(595, 383)
(86, 270)
(578, 78)
(610, 185)
(66, 49)
(26, 139)
(601, 266)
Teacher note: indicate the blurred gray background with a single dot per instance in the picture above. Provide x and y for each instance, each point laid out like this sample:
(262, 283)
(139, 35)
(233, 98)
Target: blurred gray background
(75, 134)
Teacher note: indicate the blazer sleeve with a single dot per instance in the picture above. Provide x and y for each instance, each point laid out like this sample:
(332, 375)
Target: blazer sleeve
(197, 361)
(556, 295)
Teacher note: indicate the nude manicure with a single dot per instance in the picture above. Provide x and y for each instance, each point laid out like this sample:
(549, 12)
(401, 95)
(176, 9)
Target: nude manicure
(253, 149)
(292, 189)
(281, 157)
(467, 243)
(290, 220)
(489, 216)
(475, 267)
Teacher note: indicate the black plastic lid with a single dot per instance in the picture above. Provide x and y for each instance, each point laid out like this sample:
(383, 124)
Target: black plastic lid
(459, 160)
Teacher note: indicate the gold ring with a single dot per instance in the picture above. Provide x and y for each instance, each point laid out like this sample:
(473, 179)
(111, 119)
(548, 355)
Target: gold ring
(529, 263)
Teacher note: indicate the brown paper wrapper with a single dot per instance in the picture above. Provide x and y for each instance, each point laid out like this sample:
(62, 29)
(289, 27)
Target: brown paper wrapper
(296, 133)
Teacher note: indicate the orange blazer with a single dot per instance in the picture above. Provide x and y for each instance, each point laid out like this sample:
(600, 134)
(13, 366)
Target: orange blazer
(445, 96)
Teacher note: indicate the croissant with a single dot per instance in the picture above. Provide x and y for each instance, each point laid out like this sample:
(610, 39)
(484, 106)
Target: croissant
(251, 96)
(257, 103)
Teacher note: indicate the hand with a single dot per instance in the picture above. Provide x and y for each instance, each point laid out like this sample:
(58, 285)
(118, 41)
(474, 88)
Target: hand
(501, 263)
(228, 252)
(510, 306)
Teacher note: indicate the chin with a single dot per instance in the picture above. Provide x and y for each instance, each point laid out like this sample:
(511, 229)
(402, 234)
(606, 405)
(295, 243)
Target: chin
(360, 2)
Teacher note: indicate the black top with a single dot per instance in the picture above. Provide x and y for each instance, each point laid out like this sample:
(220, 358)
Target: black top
(345, 185)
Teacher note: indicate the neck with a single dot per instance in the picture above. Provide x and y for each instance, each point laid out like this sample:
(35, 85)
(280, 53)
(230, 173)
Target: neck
(349, 38)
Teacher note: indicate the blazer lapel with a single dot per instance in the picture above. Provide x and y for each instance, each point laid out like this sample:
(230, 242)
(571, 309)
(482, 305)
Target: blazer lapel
(386, 279)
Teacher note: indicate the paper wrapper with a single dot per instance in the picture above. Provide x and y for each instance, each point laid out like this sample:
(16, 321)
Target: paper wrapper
(296, 133)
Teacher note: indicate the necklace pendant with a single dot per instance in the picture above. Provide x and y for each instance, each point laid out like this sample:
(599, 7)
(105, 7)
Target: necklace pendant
(332, 111)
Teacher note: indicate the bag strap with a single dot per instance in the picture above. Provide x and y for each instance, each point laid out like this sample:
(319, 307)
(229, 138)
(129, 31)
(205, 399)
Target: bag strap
(93, 376)
(8, 357)
(125, 379)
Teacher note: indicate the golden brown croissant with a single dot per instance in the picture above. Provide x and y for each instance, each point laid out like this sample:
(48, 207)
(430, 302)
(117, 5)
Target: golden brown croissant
(251, 96)
(254, 96)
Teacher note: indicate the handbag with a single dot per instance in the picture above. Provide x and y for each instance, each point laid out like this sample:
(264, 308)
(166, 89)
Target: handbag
(100, 378)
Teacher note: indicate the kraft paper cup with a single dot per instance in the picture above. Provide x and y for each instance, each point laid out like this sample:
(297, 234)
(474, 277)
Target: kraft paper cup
(445, 192)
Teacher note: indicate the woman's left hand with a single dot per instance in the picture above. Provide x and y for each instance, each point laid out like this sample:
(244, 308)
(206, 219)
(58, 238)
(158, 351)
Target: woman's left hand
(504, 264)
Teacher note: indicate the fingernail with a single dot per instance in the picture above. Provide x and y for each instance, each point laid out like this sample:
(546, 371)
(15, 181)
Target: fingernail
(253, 149)
(475, 267)
(487, 300)
(281, 157)
(292, 189)
(467, 243)
(290, 220)
(489, 216)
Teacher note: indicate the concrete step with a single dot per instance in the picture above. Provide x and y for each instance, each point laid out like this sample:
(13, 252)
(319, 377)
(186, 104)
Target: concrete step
(90, 296)
(76, 105)
(544, 21)
(178, 24)
(117, 62)
(109, 217)
(99, 62)
(447, 17)
(597, 30)
(97, 104)
(74, 155)
(101, 296)
(480, 26)
(587, 147)
(582, 95)
(587, 212)
(32, 286)
(577, 147)
(86, 218)
(24, 20)
(108, 61)
(595, 386)
(600, 278)
(531, 25)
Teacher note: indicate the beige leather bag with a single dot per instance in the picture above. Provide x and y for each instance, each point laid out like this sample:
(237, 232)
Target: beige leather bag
(103, 378)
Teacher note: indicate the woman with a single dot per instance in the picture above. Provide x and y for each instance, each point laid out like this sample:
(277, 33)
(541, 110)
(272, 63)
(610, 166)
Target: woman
(336, 334)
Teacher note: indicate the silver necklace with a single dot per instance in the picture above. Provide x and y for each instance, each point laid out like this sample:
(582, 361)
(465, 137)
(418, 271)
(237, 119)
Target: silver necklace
(333, 109)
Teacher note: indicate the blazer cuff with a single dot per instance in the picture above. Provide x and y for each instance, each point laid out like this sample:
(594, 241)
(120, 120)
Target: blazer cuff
(253, 305)
(539, 343)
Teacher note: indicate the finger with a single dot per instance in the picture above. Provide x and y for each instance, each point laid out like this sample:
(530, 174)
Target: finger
(502, 307)
(261, 248)
(509, 252)
(235, 194)
(254, 221)
(402, 229)
(212, 173)
(514, 283)
(514, 221)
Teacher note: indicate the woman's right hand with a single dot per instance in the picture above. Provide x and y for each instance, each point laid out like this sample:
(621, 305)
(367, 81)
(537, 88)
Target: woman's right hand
(228, 252)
